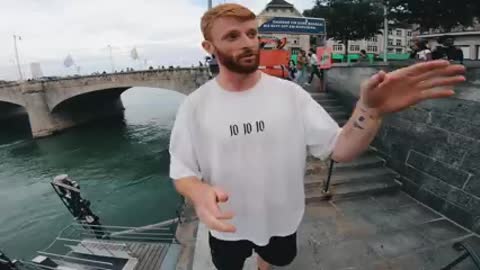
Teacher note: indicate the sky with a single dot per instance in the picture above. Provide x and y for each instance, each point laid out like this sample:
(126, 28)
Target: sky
(164, 32)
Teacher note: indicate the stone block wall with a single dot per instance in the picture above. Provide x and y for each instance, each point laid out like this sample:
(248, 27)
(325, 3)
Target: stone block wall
(435, 145)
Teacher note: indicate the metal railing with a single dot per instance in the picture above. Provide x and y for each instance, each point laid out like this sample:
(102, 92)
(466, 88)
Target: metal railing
(329, 177)
(116, 243)
(468, 251)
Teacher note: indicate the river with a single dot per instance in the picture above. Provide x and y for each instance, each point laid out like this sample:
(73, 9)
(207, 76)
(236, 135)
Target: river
(121, 166)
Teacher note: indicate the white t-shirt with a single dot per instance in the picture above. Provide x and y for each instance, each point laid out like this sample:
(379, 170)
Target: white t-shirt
(313, 60)
(423, 55)
(253, 144)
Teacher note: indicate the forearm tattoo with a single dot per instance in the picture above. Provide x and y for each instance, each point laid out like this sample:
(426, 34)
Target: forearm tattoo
(359, 122)
(363, 118)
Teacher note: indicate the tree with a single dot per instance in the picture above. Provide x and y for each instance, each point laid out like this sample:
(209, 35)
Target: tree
(348, 19)
(435, 14)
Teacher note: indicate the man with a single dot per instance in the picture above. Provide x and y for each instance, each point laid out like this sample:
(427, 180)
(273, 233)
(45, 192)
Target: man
(453, 53)
(314, 66)
(363, 58)
(301, 66)
(213, 66)
(239, 144)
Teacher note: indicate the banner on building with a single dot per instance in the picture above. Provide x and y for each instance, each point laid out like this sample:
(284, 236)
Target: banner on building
(324, 55)
(293, 25)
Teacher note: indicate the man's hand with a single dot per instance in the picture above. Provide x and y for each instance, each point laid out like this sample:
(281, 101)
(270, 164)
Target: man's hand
(205, 200)
(391, 92)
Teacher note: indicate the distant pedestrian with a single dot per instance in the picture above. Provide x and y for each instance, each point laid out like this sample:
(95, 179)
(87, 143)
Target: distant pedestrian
(363, 58)
(453, 53)
(314, 66)
(302, 63)
(292, 70)
(424, 53)
(213, 66)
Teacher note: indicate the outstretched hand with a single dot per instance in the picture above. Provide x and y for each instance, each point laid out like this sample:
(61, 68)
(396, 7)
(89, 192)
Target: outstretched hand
(206, 202)
(392, 92)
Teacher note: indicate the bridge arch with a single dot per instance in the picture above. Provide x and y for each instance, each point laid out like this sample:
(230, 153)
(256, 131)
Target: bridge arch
(12, 95)
(182, 80)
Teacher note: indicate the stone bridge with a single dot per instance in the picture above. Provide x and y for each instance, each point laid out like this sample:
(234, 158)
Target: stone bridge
(59, 104)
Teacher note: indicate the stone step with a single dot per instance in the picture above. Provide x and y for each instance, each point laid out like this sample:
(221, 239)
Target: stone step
(363, 162)
(346, 177)
(341, 115)
(317, 166)
(321, 95)
(353, 190)
(335, 109)
(328, 102)
(340, 119)
(319, 100)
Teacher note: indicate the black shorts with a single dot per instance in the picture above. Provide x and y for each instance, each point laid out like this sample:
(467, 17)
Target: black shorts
(231, 255)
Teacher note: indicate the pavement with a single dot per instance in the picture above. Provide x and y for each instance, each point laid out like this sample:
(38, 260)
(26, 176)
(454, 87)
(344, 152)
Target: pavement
(388, 231)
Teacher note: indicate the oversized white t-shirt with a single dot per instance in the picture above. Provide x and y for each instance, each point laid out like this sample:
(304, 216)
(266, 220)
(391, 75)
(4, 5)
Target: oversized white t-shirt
(253, 144)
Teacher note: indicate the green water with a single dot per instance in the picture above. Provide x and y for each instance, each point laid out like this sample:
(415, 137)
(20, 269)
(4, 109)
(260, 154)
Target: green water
(121, 166)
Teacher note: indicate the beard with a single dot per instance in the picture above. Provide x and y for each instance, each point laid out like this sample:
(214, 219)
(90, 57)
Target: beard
(238, 64)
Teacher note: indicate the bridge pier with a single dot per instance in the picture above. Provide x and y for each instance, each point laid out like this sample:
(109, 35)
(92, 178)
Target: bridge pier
(41, 121)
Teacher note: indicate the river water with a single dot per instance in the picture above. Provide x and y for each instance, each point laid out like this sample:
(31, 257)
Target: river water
(121, 166)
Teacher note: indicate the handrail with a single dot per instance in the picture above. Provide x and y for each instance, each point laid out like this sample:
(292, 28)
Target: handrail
(116, 227)
(72, 258)
(468, 252)
(138, 239)
(330, 170)
(37, 266)
(90, 241)
(141, 234)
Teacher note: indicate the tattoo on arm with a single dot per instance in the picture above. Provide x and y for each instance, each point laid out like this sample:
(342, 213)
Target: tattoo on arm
(358, 123)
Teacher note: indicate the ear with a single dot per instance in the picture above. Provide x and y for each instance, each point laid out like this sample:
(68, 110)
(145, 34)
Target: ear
(208, 47)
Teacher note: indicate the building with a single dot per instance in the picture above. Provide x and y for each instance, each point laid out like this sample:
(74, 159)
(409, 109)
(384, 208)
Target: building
(282, 8)
(399, 41)
(36, 70)
(467, 39)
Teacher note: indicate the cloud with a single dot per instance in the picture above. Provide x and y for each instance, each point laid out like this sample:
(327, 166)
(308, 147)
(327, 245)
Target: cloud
(165, 32)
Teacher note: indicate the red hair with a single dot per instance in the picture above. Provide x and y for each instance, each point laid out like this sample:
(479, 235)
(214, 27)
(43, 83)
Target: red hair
(222, 11)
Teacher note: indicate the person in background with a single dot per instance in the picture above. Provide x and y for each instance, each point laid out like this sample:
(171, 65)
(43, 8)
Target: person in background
(363, 57)
(314, 66)
(424, 53)
(440, 51)
(302, 63)
(292, 70)
(453, 53)
(212, 65)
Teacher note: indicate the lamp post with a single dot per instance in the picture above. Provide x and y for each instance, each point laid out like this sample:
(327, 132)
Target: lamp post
(111, 58)
(17, 58)
(385, 32)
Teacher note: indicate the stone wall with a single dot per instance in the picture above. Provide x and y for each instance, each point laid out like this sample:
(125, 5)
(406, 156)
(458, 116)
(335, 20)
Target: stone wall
(435, 145)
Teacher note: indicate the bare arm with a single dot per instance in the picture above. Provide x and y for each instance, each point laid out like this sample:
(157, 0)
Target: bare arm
(388, 93)
(357, 134)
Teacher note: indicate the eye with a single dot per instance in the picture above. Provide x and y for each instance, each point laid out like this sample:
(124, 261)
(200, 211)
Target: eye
(252, 34)
(232, 36)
